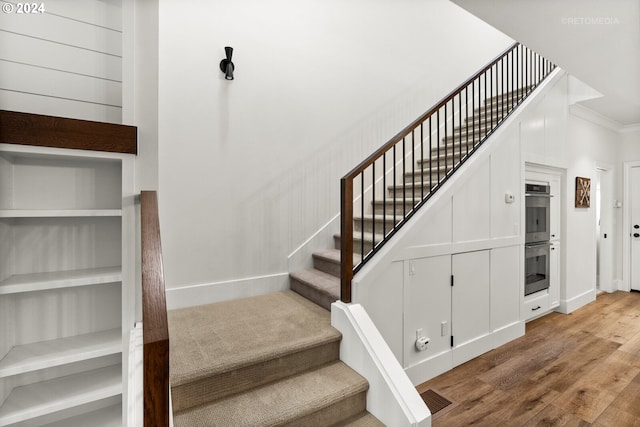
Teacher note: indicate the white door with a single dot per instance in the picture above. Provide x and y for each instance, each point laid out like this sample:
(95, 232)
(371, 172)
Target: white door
(635, 227)
(471, 303)
(604, 196)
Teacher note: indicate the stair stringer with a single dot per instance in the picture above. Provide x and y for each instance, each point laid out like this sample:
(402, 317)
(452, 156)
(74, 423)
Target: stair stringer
(391, 397)
(378, 286)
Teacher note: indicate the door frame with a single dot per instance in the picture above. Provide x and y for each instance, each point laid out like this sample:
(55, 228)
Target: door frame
(610, 171)
(626, 227)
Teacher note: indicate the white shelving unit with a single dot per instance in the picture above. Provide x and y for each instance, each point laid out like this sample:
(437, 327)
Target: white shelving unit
(66, 285)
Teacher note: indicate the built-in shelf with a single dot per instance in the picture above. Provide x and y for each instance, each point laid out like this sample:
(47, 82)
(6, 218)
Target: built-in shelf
(46, 354)
(58, 213)
(46, 397)
(110, 416)
(59, 279)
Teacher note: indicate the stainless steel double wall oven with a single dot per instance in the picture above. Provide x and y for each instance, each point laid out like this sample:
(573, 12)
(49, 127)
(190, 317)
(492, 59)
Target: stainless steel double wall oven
(537, 234)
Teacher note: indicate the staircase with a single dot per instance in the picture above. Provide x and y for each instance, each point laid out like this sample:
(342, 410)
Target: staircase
(262, 361)
(321, 284)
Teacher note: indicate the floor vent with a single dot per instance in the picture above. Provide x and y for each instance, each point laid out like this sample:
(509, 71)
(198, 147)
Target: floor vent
(436, 402)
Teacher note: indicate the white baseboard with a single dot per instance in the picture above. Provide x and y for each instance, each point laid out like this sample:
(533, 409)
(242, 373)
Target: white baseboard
(301, 258)
(430, 368)
(464, 352)
(189, 296)
(572, 304)
(445, 361)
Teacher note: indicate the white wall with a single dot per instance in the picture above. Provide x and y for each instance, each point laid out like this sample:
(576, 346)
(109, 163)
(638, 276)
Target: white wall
(65, 62)
(588, 145)
(250, 168)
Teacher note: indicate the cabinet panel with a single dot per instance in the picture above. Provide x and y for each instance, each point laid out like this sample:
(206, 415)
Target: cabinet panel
(427, 302)
(555, 203)
(472, 207)
(470, 301)
(554, 275)
(505, 286)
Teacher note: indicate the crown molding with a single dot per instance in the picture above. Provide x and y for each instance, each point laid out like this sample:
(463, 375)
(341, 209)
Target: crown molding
(588, 114)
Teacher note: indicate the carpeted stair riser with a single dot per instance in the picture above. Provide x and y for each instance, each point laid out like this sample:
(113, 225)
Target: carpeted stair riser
(199, 392)
(317, 286)
(328, 395)
(401, 206)
(357, 243)
(381, 224)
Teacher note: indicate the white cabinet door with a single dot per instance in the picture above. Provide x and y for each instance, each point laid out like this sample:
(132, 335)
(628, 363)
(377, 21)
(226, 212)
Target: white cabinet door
(427, 301)
(471, 306)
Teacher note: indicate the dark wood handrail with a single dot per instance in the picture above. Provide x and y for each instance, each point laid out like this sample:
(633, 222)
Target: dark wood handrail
(407, 130)
(155, 328)
(62, 132)
(501, 85)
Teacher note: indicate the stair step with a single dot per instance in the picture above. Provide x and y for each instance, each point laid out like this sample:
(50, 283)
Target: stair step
(428, 177)
(368, 220)
(326, 396)
(221, 349)
(317, 286)
(512, 94)
(402, 206)
(358, 240)
(46, 397)
(364, 419)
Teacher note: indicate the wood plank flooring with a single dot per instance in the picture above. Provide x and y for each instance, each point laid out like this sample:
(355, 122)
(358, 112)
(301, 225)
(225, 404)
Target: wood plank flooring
(580, 369)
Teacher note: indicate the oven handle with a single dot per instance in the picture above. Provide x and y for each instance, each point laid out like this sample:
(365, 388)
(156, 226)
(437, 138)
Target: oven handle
(538, 195)
(538, 245)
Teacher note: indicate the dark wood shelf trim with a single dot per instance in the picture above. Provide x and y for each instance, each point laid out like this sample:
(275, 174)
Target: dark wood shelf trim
(61, 132)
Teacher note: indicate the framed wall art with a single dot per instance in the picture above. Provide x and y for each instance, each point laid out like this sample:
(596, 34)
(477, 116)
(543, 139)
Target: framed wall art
(583, 192)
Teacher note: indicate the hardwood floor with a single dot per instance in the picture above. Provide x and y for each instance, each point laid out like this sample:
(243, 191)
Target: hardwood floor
(579, 369)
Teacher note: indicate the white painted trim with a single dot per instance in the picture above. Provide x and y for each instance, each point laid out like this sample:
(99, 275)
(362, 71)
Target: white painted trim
(443, 362)
(301, 257)
(416, 252)
(630, 128)
(466, 351)
(391, 398)
(430, 368)
(572, 304)
(207, 293)
(134, 404)
(626, 227)
(589, 115)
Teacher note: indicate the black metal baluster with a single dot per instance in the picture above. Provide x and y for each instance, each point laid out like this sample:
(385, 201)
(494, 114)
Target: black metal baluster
(384, 195)
(404, 180)
(438, 141)
(395, 186)
(413, 168)
(446, 142)
(430, 157)
(422, 161)
(362, 217)
(466, 118)
(373, 195)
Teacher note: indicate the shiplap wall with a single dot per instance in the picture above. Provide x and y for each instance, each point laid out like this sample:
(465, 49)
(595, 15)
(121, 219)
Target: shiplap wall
(65, 62)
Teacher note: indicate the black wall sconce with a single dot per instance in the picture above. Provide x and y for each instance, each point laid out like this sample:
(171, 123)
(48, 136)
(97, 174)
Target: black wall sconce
(226, 65)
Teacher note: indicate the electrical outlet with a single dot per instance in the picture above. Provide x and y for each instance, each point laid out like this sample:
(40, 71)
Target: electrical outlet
(444, 329)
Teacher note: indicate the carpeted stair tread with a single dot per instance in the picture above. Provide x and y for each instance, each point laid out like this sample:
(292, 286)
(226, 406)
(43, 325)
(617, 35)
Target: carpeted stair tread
(325, 396)
(364, 419)
(318, 286)
(204, 339)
